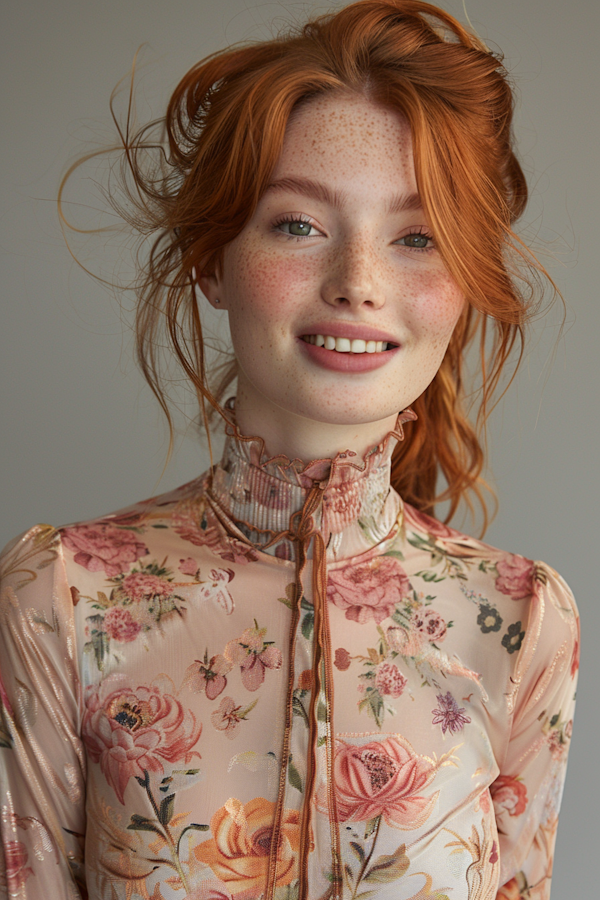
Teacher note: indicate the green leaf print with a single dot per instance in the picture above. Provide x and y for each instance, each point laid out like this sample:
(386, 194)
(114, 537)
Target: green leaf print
(165, 812)
(294, 776)
(389, 868)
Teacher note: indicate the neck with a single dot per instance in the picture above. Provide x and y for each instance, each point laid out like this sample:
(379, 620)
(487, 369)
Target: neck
(301, 438)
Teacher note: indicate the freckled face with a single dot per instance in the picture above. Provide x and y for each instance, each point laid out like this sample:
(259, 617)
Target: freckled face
(313, 264)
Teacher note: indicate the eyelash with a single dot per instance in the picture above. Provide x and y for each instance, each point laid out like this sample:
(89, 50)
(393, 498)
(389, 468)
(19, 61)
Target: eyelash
(290, 220)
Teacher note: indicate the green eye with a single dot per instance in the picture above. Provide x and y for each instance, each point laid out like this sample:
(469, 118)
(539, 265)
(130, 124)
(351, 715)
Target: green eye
(418, 241)
(299, 228)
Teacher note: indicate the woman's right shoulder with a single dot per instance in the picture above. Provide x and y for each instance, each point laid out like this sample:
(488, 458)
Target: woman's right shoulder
(106, 544)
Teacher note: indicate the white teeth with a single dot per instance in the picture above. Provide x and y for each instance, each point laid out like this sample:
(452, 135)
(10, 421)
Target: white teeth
(345, 345)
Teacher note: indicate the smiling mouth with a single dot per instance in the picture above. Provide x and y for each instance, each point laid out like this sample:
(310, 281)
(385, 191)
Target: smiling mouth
(346, 345)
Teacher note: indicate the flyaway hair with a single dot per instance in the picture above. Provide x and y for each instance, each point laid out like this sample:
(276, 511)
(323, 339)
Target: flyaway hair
(221, 137)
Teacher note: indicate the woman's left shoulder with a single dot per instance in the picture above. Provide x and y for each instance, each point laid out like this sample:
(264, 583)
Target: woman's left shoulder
(515, 585)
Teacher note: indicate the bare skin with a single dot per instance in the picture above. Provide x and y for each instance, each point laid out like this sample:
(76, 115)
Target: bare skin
(359, 265)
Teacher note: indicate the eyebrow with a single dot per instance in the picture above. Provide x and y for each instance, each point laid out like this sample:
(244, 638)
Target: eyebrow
(316, 190)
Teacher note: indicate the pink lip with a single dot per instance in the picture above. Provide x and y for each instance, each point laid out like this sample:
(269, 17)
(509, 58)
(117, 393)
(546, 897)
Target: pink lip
(346, 362)
(349, 330)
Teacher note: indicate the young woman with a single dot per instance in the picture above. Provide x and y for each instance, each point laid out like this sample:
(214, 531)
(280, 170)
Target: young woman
(284, 680)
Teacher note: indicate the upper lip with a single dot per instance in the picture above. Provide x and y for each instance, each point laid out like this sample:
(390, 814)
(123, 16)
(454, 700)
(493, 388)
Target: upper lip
(351, 330)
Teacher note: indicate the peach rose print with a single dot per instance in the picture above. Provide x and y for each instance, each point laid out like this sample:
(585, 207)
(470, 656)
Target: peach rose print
(368, 591)
(509, 794)
(134, 731)
(103, 547)
(382, 778)
(254, 655)
(211, 889)
(238, 854)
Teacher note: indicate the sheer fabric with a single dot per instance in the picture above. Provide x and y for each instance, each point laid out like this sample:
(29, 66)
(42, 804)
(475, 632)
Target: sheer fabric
(279, 681)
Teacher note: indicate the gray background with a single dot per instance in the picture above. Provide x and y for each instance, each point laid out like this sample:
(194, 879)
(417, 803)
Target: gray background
(81, 432)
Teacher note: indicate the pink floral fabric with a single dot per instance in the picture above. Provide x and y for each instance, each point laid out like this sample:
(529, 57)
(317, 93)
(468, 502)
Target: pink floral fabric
(132, 731)
(186, 713)
(368, 591)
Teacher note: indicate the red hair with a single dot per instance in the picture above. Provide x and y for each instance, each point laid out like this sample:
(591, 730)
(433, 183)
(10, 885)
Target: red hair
(223, 133)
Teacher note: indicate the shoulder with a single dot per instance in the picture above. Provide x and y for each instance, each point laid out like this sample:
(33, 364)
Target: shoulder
(107, 544)
(508, 586)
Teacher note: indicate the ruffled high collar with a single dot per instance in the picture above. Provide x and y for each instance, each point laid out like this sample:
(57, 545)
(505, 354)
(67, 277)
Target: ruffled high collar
(260, 493)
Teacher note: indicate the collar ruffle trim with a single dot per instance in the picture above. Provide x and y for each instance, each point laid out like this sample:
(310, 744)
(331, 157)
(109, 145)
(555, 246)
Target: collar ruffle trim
(260, 493)
(343, 467)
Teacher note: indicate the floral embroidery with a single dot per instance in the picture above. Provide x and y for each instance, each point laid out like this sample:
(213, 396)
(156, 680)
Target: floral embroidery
(17, 870)
(489, 619)
(513, 638)
(227, 716)
(509, 794)
(368, 591)
(342, 659)
(210, 889)
(515, 576)
(254, 655)
(208, 676)
(238, 853)
(103, 547)
(389, 680)
(120, 625)
(195, 522)
(449, 715)
(382, 778)
(131, 730)
(429, 623)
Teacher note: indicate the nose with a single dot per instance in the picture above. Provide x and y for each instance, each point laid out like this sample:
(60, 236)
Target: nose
(354, 277)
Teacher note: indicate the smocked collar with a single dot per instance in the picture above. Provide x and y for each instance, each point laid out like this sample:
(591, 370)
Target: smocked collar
(260, 493)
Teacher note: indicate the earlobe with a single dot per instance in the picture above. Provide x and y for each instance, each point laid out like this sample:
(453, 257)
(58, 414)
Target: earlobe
(208, 285)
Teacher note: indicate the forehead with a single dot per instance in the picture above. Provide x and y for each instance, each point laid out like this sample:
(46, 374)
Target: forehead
(348, 138)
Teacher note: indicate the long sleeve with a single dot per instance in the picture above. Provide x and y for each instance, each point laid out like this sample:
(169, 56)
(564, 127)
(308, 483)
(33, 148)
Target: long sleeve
(42, 760)
(528, 792)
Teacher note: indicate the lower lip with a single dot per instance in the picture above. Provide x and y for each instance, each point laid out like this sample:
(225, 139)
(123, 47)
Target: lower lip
(347, 362)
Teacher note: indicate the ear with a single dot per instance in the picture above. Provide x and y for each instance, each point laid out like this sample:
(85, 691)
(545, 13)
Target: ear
(210, 286)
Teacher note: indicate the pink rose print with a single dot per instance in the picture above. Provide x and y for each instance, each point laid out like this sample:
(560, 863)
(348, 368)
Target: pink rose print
(389, 680)
(208, 676)
(368, 591)
(342, 659)
(17, 870)
(429, 623)
(382, 778)
(515, 576)
(130, 732)
(139, 586)
(254, 655)
(509, 794)
(103, 547)
(120, 625)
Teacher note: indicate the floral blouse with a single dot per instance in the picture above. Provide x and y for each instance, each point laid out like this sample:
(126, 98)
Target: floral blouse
(280, 682)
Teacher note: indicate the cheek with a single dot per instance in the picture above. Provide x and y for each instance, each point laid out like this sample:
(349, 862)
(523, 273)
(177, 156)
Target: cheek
(435, 307)
(266, 284)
